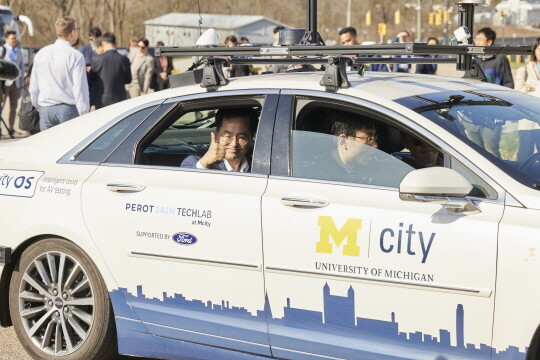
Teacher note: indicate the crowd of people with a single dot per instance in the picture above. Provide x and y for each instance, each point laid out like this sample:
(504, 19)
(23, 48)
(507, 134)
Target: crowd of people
(65, 80)
(69, 80)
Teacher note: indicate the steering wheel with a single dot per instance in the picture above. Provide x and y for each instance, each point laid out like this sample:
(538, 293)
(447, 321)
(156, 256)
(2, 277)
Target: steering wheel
(528, 163)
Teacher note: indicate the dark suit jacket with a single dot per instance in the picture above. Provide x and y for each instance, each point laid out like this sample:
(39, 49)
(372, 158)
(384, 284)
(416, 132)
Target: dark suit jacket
(192, 160)
(157, 83)
(426, 68)
(111, 71)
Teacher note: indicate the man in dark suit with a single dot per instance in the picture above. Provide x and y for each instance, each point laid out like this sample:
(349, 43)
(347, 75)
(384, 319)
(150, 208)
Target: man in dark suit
(163, 66)
(111, 71)
(229, 144)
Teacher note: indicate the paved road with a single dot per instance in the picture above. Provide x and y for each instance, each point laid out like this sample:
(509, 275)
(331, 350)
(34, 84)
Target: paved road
(11, 349)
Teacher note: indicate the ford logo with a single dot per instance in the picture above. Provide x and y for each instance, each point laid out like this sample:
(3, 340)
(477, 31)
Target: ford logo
(184, 238)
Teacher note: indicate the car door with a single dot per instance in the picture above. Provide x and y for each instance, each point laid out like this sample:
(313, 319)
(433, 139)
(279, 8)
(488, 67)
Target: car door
(185, 245)
(352, 271)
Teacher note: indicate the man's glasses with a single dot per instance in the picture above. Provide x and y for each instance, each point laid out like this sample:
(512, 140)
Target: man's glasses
(240, 139)
(366, 139)
(141, 47)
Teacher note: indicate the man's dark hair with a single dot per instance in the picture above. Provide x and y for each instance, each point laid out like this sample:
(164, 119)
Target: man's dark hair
(144, 41)
(109, 38)
(489, 33)
(97, 42)
(348, 123)
(406, 32)
(10, 32)
(248, 113)
(232, 39)
(95, 31)
(160, 43)
(348, 29)
(278, 28)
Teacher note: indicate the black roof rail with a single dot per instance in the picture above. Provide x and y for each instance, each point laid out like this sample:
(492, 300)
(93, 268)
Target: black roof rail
(312, 49)
(412, 49)
(337, 57)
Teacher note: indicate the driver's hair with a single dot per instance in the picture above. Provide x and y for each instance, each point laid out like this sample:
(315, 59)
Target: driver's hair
(348, 123)
(248, 113)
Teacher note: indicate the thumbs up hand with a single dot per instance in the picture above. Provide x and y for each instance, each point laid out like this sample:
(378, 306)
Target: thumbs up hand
(215, 153)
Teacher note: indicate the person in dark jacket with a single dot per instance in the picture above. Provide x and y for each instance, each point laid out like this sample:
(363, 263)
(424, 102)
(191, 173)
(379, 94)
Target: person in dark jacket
(428, 68)
(163, 66)
(110, 71)
(496, 67)
(230, 144)
(236, 70)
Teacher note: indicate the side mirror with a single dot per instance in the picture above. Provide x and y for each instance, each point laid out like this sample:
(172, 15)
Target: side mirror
(441, 186)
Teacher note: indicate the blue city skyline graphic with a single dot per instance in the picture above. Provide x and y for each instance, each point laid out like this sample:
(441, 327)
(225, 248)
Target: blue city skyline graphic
(351, 335)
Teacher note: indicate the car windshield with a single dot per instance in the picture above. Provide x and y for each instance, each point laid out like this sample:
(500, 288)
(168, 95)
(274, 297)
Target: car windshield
(502, 125)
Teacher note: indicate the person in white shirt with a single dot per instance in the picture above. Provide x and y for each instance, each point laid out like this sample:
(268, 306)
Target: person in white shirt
(58, 85)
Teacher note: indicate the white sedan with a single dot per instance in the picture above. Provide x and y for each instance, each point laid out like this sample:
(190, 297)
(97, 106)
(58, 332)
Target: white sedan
(423, 245)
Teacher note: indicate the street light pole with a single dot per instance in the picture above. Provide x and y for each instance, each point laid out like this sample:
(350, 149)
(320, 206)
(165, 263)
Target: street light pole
(418, 20)
(349, 13)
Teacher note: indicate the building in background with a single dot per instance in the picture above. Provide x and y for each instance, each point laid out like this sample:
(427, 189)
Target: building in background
(182, 29)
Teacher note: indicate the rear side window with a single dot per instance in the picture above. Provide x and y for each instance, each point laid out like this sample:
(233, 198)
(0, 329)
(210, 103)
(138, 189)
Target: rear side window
(344, 145)
(104, 145)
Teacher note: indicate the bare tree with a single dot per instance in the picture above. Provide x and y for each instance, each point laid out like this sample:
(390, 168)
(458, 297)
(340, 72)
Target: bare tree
(126, 17)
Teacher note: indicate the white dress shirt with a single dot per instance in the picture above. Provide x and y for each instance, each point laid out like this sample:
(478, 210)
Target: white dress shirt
(59, 77)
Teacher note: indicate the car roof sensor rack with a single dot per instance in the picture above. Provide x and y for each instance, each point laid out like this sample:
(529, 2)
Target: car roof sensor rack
(409, 53)
(465, 55)
(212, 76)
(335, 74)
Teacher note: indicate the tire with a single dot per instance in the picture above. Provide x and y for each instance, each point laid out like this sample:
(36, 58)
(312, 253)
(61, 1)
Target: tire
(59, 304)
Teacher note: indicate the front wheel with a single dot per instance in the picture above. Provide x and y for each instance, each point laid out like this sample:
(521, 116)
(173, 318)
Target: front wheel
(59, 304)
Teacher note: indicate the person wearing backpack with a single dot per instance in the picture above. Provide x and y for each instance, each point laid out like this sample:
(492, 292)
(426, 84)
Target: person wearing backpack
(12, 88)
(28, 114)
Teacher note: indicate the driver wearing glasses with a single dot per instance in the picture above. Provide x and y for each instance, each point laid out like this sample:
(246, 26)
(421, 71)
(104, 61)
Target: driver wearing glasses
(229, 144)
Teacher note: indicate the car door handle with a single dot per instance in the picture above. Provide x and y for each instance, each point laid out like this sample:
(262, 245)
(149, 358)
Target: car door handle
(303, 202)
(125, 188)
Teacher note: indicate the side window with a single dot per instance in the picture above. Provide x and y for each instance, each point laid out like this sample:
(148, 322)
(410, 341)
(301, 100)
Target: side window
(336, 143)
(419, 154)
(188, 134)
(100, 148)
(480, 188)
(206, 136)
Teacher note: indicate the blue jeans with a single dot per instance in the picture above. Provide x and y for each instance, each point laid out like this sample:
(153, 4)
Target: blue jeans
(53, 115)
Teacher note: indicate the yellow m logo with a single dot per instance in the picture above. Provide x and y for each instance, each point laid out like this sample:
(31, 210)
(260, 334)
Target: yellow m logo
(349, 231)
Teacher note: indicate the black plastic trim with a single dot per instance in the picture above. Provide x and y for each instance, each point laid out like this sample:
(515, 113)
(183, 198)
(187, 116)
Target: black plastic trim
(263, 144)
(5, 255)
(282, 135)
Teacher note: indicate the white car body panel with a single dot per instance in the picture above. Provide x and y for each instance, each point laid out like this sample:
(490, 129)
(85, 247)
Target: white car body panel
(257, 256)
